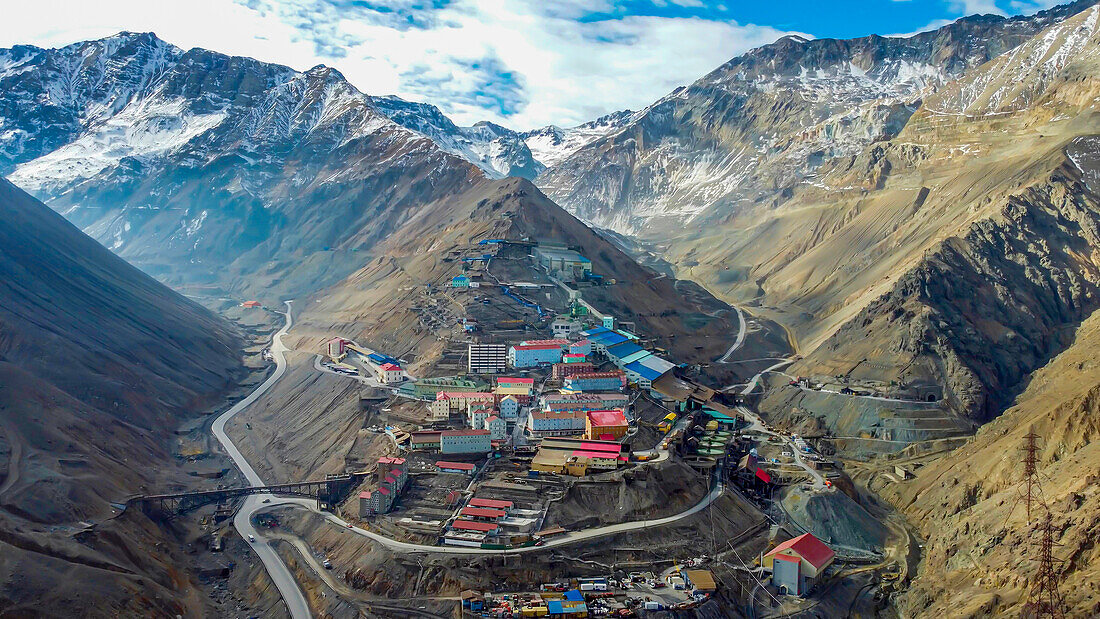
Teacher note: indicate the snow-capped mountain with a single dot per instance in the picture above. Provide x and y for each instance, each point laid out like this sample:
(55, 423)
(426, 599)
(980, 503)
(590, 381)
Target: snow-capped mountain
(497, 150)
(176, 158)
(763, 123)
(551, 144)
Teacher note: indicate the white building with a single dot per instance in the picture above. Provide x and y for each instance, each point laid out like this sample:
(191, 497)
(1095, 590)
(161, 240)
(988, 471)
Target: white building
(464, 442)
(476, 416)
(565, 327)
(389, 374)
(487, 358)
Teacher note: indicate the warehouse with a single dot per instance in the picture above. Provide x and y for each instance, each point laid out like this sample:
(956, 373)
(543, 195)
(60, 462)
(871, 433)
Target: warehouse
(482, 514)
(563, 263)
(426, 440)
(622, 350)
(575, 457)
(647, 370)
(491, 503)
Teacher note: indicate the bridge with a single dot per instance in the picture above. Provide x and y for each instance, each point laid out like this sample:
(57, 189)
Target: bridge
(328, 492)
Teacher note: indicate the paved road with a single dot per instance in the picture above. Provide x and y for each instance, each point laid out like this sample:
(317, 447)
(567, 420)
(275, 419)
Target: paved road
(276, 569)
(563, 540)
(740, 337)
(758, 425)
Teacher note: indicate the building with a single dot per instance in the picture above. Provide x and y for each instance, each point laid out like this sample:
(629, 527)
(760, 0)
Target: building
(425, 440)
(487, 358)
(497, 427)
(389, 374)
(465, 442)
(595, 381)
(460, 281)
(608, 322)
(581, 347)
(392, 476)
(798, 563)
(701, 581)
(584, 401)
(605, 425)
(532, 355)
(428, 388)
(250, 304)
(483, 514)
(563, 370)
(398, 467)
(522, 389)
(509, 407)
(603, 338)
(492, 503)
(465, 468)
(556, 423)
(564, 326)
(647, 370)
(448, 402)
(477, 414)
(577, 457)
(562, 263)
(617, 352)
(337, 348)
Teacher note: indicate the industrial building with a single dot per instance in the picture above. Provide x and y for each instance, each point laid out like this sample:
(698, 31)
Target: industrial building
(565, 326)
(595, 381)
(487, 358)
(603, 338)
(563, 263)
(798, 563)
(460, 281)
(700, 581)
(465, 442)
(575, 457)
(605, 425)
(533, 355)
(646, 370)
(425, 440)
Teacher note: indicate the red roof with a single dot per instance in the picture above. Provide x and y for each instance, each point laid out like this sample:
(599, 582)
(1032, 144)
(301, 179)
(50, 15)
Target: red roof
(251, 304)
(493, 503)
(808, 547)
(522, 381)
(364, 494)
(764, 477)
(389, 367)
(390, 480)
(594, 446)
(482, 512)
(788, 558)
(594, 454)
(461, 466)
(383, 491)
(607, 418)
(395, 473)
(470, 525)
(465, 433)
(537, 347)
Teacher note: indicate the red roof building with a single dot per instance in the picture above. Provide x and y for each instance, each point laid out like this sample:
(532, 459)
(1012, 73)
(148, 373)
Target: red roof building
(814, 555)
(250, 304)
(483, 513)
(470, 525)
(601, 424)
(465, 467)
(491, 503)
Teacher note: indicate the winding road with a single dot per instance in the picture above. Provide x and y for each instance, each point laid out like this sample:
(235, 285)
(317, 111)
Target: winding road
(278, 571)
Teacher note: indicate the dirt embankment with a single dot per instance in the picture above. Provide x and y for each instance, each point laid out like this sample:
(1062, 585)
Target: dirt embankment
(645, 492)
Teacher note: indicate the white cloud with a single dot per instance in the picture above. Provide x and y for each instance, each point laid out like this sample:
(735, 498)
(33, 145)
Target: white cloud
(523, 63)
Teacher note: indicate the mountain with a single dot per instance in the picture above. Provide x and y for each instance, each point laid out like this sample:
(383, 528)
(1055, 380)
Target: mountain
(551, 144)
(760, 126)
(212, 170)
(498, 151)
(99, 364)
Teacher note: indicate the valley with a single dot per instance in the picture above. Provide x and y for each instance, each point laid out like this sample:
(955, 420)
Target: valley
(771, 346)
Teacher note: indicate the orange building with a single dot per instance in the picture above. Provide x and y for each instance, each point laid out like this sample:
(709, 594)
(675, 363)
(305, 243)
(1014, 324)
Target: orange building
(605, 425)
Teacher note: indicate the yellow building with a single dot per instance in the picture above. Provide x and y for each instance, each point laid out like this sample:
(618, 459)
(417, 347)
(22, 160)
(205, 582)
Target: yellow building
(605, 425)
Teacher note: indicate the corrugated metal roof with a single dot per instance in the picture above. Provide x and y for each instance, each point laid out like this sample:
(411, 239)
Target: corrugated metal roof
(493, 503)
(483, 512)
(645, 372)
(623, 349)
(470, 525)
(638, 356)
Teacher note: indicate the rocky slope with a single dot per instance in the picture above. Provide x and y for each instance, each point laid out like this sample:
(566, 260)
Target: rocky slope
(99, 364)
(758, 127)
(552, 144)
(981, 551)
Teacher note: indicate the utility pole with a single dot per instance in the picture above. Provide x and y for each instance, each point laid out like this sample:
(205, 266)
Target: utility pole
(1043, 599)
(1031, 458)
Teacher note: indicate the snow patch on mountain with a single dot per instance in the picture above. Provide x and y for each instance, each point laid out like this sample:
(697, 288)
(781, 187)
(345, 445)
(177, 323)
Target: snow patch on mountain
(143, 130)
(551, 144)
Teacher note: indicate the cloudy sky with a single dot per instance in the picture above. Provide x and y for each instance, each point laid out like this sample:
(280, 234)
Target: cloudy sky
(522, 63)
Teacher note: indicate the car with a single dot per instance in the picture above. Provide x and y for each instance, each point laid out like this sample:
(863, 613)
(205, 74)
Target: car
(252, 538)
(350, 525)
(266, 501)
(327, 564)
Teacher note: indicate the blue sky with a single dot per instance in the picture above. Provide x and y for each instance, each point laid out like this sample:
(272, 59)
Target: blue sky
(521, 63)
